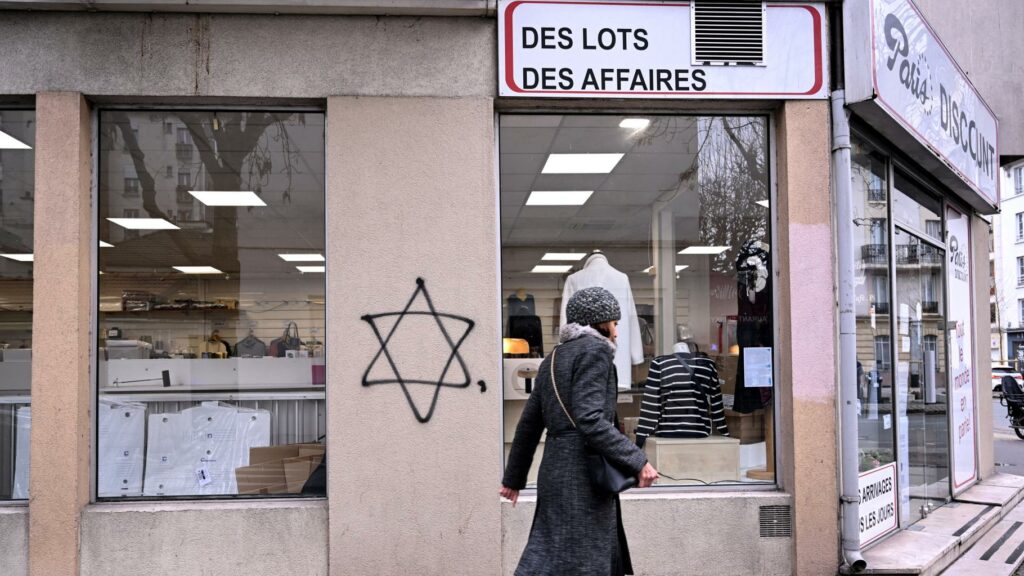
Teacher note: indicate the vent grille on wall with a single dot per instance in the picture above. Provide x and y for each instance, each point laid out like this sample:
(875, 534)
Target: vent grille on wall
(727, 33)
(776, 522)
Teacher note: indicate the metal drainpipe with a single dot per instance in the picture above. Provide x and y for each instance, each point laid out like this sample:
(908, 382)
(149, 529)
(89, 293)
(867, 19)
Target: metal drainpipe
(849, 408)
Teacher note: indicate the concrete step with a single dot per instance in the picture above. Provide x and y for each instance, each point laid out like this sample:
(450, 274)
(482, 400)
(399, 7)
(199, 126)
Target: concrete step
(953, 538)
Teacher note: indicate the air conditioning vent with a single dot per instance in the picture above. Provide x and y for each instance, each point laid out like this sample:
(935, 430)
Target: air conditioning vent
(776, 522)
(727, 33)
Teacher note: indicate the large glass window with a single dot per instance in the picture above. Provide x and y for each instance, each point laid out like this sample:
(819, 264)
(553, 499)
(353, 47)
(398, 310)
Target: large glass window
(211, 303)
(672, 215)
(874, 332)
(17, 203)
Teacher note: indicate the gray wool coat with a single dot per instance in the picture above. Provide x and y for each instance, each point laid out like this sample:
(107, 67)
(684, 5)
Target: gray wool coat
(575, 530)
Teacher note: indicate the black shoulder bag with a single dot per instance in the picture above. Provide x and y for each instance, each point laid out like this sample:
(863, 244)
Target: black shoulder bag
(605, 477)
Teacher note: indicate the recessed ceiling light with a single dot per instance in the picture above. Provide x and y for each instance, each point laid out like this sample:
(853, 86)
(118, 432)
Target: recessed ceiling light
(551, 268)
(212, 198)
(19, 257)
(8, 142)
(311, 269)
(105, 244)
(581, 163)
(762, 203)
(559, 198)
(679, 268)
(574, 256)
(197, 269)
(144, 223)
(302, 257)
(634, 123)
(713, 250)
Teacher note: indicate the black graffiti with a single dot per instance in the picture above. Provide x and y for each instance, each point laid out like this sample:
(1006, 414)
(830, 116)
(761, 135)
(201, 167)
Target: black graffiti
(454, 358)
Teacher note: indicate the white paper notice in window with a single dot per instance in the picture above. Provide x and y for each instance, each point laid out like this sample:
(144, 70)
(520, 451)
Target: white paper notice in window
(757, 367)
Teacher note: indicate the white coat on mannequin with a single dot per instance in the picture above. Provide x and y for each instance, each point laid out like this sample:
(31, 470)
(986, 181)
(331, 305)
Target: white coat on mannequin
(598, 272)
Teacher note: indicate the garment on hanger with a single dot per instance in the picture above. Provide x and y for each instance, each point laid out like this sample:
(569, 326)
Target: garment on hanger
(521, 306)
(682, 399)
(528, 328)
(250, 347)
(629, 346)
(753, 320)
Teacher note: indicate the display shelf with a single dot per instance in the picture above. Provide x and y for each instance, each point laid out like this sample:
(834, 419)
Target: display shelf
(176, 395)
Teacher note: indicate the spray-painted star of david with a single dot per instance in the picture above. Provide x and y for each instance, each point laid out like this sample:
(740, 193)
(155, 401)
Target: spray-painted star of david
(453, 358)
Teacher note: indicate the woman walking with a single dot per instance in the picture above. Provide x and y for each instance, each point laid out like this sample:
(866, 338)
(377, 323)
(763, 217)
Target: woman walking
(576, 530)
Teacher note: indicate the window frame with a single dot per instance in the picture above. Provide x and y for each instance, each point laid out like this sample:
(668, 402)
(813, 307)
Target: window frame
(676, 108)
(96, 162)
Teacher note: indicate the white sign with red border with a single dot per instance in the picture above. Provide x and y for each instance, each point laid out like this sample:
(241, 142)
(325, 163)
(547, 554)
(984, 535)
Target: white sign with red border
(626, 49)
(878, 510)
(961, 353)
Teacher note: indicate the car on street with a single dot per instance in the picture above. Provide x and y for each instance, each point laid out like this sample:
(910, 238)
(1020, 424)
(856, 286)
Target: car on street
(1000, 370)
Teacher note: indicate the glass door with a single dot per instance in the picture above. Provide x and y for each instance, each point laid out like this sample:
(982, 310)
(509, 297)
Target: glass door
(921, 376)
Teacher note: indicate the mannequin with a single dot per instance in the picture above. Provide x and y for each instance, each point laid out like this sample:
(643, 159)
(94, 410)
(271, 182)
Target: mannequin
(521, 304)
(597, 271)
(753, 321)
(682, 398)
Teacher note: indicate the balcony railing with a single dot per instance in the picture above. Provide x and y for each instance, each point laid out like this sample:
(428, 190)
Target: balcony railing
(183, 151)
(874, 254)
(930, 307)
(881, 308)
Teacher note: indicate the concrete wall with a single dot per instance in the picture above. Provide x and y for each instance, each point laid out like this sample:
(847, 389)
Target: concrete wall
(985, 38)
(177, 56)
(60, 478)
(694, 533)
(263, 538)
(14, 540)
(807, 322)
(411, 195)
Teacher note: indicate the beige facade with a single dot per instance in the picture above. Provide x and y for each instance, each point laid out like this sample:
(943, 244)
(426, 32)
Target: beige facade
(411, 195)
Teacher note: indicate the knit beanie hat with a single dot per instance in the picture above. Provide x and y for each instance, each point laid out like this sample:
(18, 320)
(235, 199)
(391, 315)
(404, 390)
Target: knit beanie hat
(590, 306)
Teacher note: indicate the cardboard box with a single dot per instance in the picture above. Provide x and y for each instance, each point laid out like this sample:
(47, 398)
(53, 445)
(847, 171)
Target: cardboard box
(695, 460)
(747, 428)
(278, 469)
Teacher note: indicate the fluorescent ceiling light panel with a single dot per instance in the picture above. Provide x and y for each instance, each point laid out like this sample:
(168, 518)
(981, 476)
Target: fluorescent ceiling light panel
(581, 163)
(302, 257)
(574, 256)
(8, 142)
(311, 269)
(19, 257)
(635, 123)
(105, 244)
(144, 223)
(212, 198)
(559, 198)
(679, 268)
(762, 203)
(197, 269)
(713, 250)
(551, 268)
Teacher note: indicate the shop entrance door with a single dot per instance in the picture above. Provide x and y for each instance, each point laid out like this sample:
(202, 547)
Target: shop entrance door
(921, 375)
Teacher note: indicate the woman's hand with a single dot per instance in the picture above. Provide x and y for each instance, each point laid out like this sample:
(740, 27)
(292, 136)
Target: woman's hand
(647, 476)
(513, 495)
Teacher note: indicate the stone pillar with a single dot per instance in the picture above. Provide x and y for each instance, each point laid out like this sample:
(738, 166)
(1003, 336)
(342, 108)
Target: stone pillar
(62, 330)
(808, 334)
(411, 211)
(982, 350)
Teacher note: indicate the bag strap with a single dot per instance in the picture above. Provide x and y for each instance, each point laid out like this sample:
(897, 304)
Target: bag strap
(555, 387)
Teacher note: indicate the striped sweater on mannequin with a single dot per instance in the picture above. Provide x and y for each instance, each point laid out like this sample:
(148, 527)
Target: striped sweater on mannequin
(681, 400)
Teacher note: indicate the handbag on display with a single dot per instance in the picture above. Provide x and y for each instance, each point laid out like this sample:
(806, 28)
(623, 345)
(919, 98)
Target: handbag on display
(280, 346)
(605, 477)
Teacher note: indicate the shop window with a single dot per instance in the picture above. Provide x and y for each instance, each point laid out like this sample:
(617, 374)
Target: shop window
(17, 164)
(211, 317)
(672, 215)
(870, 186)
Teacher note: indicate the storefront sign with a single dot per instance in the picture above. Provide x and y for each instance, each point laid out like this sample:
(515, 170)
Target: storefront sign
(911, 78)
(961, 359)
(877, 503)
(625, 49)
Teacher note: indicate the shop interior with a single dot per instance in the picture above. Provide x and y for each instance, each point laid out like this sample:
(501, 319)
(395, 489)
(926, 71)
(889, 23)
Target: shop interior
(672, 215)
